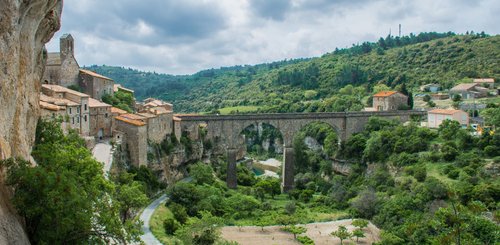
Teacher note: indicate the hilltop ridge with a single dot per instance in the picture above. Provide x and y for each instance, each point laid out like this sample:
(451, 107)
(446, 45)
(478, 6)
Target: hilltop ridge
(444, 58)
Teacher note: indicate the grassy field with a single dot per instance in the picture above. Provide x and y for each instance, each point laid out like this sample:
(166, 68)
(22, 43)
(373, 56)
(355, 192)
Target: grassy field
(156, 224)
(239, 109)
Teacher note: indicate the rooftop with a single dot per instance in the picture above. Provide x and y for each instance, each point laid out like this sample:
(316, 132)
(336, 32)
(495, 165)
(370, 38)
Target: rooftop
(463, 86)
(445, 111)
(118, 111)
(57, 101)
(61, 89)
(130, 121)
(49, 106)
(96, 103)
(91, 73)
(147, 115)
(384, 93)
(484, 80)
(117, 87)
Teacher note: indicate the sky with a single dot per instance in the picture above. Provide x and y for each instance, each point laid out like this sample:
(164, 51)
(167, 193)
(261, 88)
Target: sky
(186, 36)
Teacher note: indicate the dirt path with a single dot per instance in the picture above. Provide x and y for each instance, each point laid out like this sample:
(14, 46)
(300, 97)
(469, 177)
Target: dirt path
(319, 232)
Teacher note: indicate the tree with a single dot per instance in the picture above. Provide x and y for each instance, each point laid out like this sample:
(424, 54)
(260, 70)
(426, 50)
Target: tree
(365, 204)
(202, 174)
(179, 212)
(200, 231)
(360, 223)
(270, 186)
(358, 233)
(448, 129)
(65, 199)
(130, 195)
(295, 230)
(290, 207)
(342, 233)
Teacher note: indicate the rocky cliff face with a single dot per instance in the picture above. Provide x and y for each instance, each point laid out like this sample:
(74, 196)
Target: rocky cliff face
(25, 27)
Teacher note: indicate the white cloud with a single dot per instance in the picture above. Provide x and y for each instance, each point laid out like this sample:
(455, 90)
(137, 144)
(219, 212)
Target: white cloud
(180, 37)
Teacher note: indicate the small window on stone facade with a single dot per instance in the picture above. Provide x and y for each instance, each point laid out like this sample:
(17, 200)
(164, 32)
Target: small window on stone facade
(73, 120)
(78, 110)
(85, 107)
(69, 110)
(85, 118)
(106, 115)
(78, 120)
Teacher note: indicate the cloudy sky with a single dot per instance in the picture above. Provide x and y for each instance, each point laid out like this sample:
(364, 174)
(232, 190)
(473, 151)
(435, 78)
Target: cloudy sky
(185, 36)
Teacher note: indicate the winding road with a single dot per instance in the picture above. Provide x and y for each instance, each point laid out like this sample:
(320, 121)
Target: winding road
(148, 238)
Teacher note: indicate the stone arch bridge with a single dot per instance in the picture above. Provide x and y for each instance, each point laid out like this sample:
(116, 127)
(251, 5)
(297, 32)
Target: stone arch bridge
(226, 129)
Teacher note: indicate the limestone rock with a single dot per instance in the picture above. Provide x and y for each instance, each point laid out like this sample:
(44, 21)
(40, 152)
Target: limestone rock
(25, 27)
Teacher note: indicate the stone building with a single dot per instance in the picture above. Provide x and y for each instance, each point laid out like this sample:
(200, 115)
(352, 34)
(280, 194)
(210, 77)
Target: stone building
(485, 82)
(118, 87)
(100, 119)
(61, 67)
(159, 122)
(135, 137)
(96, 85)
(151, 103)
(469, 91)
(437, 116)
(77, 106)
(389, 101)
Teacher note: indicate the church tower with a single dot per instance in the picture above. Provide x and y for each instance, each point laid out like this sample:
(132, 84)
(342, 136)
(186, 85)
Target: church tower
(67, 46)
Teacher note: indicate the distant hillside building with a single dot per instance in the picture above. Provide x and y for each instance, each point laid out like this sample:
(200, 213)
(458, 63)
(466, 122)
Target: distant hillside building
(469, 91)
(437, 116)
(431, 87)
(61, 67)
(485, 82)
(389, 101)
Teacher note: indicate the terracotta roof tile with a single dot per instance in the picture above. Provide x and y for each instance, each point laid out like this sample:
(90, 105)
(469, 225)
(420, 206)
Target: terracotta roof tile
(57, 88)
(445, 111)
(130, 121)
(463, 87)
(91, 73)
(49, 106)
(118, 111)
(384, 93)
(96, 103)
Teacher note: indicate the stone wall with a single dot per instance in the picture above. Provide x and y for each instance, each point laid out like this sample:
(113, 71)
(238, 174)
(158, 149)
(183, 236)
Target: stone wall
(136, 141)
(100, 118)
(159, 127)
(96, 87)
(25, 26)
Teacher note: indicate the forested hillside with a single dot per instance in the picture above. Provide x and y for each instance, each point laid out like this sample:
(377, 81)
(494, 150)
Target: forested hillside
(314, 84)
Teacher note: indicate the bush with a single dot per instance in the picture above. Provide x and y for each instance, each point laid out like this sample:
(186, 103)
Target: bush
(179, 212)
(170, 225)
(420, 173)
(290, 207)
(306, 195)
(305, 240)
(453, 174)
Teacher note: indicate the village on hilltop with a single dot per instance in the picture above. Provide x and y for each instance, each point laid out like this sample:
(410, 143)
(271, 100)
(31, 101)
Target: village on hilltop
(153, 119)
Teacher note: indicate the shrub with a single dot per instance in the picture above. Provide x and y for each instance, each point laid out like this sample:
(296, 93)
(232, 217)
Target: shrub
(453, 174)
(290, 207)
(179, 212)
(305, 240)
(170, 225)
(420, 173)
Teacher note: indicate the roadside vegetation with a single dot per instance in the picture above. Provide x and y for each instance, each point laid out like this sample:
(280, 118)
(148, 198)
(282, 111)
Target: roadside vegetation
(418, 185)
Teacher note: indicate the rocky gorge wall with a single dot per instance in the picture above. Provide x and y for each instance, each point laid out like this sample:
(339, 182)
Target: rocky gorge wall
(25, 27)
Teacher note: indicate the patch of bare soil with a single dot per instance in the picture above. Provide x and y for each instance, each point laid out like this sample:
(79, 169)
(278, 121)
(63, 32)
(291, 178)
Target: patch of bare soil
(318, 232)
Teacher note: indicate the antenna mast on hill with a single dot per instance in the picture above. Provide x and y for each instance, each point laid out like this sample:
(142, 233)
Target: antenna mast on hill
(399, 30)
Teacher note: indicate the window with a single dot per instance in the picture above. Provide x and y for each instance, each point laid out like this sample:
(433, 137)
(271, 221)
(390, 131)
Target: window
(72, 120)
(78, 110)
(70, 110)
(85, 118)
(78, 120)
(106, 115)
(85, 107)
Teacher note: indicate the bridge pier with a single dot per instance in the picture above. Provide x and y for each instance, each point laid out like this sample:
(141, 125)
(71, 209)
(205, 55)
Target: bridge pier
(232, 178)
(287, 169)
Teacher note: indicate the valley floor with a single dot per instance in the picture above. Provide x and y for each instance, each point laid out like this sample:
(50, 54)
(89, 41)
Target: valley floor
(318, 232)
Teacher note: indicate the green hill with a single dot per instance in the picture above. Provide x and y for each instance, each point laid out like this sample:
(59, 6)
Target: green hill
(315, 84)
